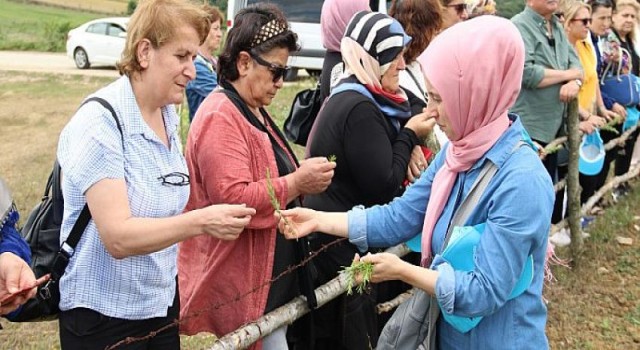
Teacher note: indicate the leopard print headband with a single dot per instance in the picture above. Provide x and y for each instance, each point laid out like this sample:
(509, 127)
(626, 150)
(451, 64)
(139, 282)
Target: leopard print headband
(268, 31)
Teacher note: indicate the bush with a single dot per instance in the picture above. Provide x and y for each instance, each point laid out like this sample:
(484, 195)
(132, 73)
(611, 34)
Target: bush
(131, 6)
(56, 35)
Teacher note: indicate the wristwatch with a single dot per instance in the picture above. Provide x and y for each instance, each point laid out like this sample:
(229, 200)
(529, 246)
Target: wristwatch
(579, 82)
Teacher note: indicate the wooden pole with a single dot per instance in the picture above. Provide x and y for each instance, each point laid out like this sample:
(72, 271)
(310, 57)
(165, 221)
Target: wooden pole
(248, 334)
(573, 184)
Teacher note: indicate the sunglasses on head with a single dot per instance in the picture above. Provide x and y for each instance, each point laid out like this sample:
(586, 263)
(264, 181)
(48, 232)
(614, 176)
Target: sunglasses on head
(276, 70)
(585, 21)
(460, 8)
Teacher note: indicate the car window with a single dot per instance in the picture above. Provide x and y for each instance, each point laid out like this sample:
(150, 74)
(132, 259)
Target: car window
(98, 28)
(115, 30)
(297, 10)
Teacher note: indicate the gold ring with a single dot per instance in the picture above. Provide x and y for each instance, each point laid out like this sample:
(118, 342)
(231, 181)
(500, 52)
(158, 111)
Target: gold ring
(419, 164)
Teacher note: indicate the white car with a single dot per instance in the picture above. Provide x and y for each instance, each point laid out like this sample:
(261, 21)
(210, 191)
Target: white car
(98, 42)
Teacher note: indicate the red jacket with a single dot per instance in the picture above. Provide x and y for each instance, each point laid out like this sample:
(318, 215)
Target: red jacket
(227, 159)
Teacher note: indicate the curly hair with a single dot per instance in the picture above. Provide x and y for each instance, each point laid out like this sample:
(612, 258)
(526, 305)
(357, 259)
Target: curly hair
(421, 19)
(157, 21)
(248, 23)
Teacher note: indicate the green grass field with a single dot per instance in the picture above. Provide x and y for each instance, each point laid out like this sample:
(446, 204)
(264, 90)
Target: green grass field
(28, 27)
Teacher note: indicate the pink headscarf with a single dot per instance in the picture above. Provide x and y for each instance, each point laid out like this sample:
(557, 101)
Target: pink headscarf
(334, 19)
(476, 66)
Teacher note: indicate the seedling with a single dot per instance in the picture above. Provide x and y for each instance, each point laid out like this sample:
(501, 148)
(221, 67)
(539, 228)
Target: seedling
(332, 158)
(361, 268)
(275, 203)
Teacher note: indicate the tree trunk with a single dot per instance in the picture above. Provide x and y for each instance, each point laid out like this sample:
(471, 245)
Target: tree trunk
(573, 184)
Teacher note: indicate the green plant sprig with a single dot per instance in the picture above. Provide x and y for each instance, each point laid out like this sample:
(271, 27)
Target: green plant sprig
(362, 268)
(610, 126)
(332, 158)
(275, 203)
(554, 149)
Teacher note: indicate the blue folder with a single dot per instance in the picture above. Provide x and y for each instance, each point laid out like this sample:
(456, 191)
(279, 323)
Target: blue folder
(460, 253)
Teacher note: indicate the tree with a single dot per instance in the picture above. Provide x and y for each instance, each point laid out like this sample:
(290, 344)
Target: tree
(221, 4)
(509, 8)
(131, 6)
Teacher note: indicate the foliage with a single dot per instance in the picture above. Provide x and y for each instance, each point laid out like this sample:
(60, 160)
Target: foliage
(362, 269)
(222, 5)
(30, 27)
(131, 6)
(56, 35)
(509, 8)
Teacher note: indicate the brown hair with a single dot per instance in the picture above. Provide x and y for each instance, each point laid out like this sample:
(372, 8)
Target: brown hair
(248, 26)
(214, 13)
(421, 19)
(157, 21)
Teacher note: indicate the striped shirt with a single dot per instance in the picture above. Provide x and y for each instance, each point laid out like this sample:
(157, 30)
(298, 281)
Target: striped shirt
(91, 149)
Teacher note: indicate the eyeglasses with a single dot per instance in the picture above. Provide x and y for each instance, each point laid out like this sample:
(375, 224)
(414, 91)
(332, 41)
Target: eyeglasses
(460, 8)
(175, 179)
(585, 21)
(276, 70)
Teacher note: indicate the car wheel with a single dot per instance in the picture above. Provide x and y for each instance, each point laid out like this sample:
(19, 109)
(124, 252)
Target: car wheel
(81, 58)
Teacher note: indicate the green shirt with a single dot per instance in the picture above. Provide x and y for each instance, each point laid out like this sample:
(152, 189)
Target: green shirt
(540, 109)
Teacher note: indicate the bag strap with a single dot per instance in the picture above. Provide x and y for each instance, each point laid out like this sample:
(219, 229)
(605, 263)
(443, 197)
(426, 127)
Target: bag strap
(469, 203)
(67, 248)
(473, 197)
(460, 216)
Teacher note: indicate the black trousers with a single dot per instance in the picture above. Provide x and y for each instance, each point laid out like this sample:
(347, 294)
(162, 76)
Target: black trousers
(85, 329)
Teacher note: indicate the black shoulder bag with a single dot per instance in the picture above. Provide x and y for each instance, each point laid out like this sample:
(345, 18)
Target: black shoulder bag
(42, 233)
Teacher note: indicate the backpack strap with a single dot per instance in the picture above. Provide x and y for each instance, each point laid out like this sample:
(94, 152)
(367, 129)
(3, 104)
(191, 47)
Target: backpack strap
(67, 248)
(477, 189)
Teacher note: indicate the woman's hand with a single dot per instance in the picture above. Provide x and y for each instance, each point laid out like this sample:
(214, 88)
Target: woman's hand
(386, 266)
(619, 110)
(297, 222)
(417, 164)
(569, 91)
(15, 275)
(314, 175)
(225, 221)
(421, 124)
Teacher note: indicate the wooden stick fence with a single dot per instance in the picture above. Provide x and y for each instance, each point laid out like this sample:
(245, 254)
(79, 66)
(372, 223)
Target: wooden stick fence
(246, 335)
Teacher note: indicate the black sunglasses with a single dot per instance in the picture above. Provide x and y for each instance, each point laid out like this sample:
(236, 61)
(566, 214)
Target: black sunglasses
(585, 21)
(175, 179)
(276, 70)
(460, 8)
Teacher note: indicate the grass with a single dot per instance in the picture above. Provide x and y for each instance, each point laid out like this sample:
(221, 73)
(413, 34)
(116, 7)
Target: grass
(106, 7)
(596, 304)
(28, 27)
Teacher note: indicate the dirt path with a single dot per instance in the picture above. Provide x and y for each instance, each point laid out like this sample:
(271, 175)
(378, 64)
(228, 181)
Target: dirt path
(47, 62)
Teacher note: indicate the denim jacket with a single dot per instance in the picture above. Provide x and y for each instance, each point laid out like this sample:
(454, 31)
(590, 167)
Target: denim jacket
(516, 207)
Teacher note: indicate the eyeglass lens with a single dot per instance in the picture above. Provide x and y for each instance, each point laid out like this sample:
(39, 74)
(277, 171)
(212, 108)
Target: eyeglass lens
(175, 179)
(277, 71)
